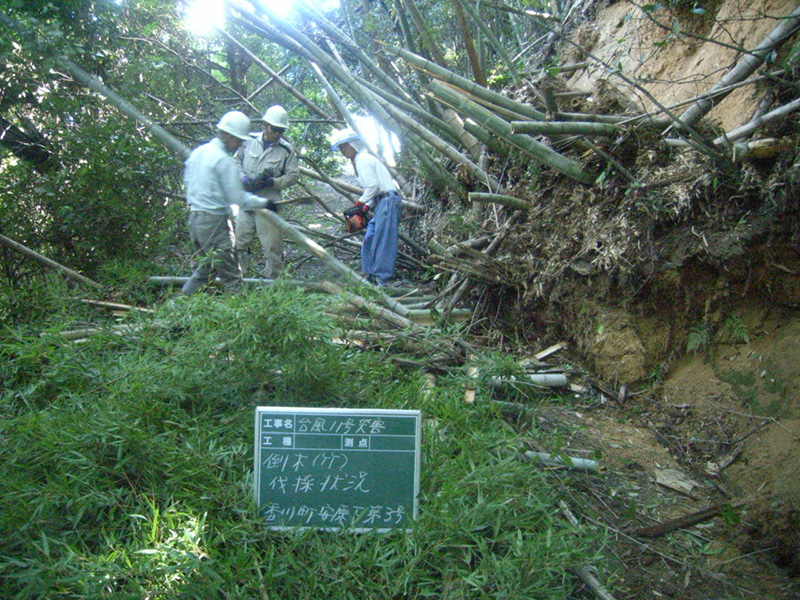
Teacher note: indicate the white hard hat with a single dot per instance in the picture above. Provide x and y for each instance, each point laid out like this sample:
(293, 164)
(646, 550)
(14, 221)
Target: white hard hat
(277, 117)
(343, 136)
(236, 123)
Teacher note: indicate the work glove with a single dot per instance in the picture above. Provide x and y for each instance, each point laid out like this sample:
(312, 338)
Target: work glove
(265, 180)
(363, 208)
(270, 205)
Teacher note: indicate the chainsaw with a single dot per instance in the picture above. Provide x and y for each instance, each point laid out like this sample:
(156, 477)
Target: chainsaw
(354, 219)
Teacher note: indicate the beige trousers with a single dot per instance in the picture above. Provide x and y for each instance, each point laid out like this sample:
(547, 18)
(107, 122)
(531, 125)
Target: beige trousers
(250, 223)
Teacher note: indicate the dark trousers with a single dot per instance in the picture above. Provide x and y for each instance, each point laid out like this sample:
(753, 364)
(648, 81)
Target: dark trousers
(213, 239)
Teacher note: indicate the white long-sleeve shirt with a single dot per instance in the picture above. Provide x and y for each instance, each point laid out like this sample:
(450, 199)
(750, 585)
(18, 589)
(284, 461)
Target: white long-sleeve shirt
(213, 182)
(373, 176)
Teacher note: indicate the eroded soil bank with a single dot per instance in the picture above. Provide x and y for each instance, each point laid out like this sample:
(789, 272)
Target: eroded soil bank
(676, 283)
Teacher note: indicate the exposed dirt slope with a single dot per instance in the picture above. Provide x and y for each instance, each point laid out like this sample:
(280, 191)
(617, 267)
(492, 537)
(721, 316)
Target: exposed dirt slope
(677, 282)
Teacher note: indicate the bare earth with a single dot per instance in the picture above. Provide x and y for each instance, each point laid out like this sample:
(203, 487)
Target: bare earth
(685, 421)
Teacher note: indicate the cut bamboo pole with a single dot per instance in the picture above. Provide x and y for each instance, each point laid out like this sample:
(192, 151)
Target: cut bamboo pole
(556, 460)
(535, 379)
(116, 306)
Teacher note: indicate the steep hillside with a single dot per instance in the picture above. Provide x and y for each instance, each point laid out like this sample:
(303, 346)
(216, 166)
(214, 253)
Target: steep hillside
(677, 280)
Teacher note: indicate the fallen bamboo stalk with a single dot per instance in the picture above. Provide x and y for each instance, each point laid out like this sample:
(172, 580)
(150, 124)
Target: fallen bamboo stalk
(396, 318)
(116, 305)
(509, 201)
(86, 332)
(550, 350)
(745, 67)
(465, 84)
(751, 126)
(425, 318)
(753, 150)
(502, 129)
(46, 261)
(167, 280)
(564, 128)
(570, 67)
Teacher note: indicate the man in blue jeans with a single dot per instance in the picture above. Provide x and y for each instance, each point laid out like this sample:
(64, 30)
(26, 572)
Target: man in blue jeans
(379, 246)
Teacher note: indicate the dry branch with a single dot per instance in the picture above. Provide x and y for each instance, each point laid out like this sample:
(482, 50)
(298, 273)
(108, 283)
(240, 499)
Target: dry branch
(684, 521)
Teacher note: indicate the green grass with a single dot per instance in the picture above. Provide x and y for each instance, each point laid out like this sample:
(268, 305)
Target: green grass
(127, 468)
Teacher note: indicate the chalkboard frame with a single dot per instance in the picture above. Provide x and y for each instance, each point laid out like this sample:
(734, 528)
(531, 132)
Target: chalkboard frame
(268, 425)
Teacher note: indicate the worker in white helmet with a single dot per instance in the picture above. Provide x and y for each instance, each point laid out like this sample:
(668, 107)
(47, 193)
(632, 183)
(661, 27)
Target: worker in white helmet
(269, 165)
(213, 185)
(379, 246)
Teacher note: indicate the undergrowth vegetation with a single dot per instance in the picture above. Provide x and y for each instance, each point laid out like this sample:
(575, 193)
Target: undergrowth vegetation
(127, 466)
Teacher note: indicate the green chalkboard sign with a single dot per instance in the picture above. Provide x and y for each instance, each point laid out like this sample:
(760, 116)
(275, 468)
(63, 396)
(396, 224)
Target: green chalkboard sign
(337, 468)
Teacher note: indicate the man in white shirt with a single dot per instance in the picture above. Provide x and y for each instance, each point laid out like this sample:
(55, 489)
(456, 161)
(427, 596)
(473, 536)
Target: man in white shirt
(379, 246)
(213, 185)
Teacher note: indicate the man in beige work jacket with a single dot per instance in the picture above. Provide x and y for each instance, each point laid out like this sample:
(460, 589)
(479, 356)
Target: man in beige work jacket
(269, 166)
